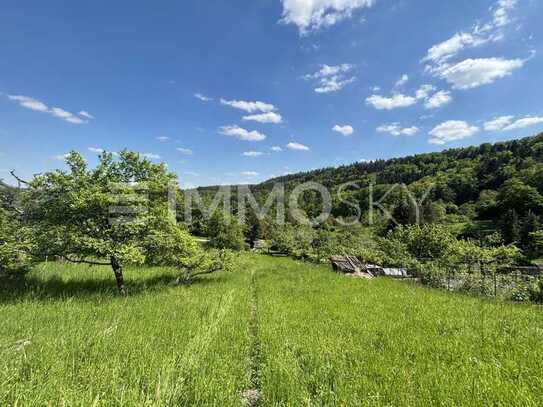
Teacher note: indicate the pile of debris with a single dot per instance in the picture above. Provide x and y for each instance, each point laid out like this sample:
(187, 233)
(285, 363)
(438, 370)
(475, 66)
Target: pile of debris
(353, 267)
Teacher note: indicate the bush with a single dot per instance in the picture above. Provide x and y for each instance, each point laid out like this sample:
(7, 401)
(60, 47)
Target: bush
(225, 232)
(536, 290)
(15, 245)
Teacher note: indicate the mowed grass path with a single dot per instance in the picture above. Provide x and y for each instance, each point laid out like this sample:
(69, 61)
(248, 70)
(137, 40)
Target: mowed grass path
(299, 333)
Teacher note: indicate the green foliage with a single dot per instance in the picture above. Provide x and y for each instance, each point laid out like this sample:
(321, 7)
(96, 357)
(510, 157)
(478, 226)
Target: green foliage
(15, 245)
(225, 232)
(116, 213)
(207, 262)
(536, 290)
(427, 241)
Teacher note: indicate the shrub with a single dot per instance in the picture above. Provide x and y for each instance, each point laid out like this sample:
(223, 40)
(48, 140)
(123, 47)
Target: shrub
(15, 245)
(225, 232)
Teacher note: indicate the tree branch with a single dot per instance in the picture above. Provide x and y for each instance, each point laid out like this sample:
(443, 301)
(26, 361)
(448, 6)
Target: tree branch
(83, 261)
(19, 180)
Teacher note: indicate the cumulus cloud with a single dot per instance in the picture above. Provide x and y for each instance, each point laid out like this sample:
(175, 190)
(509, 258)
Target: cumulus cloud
(472, 73)
(396, 101)
(252, 154)
(451, 130)
(395, 129)
(310, 15)
(203, 98)
(270, 117)
(448, 49)
(38, 106)
(98, 150)
(424, 91)
(297, 146)
(249, 174)
(186, 151)
(150, 156)
(508, 123)
(502, 11)
(276, 149)
(163, 139)
(61, 157)
(332, 78)
(478, 35)
(345, 130)
(438, 99)
(402, 81)
(249, 107)
(241, 133)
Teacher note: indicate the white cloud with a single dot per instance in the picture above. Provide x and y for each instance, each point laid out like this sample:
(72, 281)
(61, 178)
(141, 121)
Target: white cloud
(438, 99)
(333, 84)
(186, 151)
(163, 139)
(345, 130)
(36, 105)
(424, 91)
(507, 123)
(524, 122)
(249, 173)
(310, 15)
(452, 130)
(241, 133)
(395, 129)
(270, 117)
(252, 154)
(394, 102)
(402, 81)
(448, 49)
(297, 146)
(501, 12)
(332, 78)
(479, 35)
(498, 123)
(61, 157)
(150, 156)
(276, 149)
(203, 98)
(249, 107)
(96, 150)
(472, 73)
(86, 114)
(29, 103)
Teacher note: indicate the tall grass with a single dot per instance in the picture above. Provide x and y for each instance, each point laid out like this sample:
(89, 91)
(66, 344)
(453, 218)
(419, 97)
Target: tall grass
(331, 340)
(69, 339)
(294, 333)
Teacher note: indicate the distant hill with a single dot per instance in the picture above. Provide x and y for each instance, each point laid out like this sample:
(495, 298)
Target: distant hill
(490, 182)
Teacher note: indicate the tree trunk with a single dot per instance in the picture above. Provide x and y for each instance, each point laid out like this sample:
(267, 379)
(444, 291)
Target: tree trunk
(118, 271)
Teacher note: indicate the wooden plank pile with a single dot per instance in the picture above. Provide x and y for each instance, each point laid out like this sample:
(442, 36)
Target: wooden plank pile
(351, 266)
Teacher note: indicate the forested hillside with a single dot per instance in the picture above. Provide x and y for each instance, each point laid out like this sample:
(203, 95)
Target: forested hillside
(481, 188)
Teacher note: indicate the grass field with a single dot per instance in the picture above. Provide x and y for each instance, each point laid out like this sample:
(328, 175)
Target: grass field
(298, 334)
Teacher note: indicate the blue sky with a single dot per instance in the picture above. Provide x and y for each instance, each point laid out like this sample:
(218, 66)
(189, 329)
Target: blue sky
(241, 91)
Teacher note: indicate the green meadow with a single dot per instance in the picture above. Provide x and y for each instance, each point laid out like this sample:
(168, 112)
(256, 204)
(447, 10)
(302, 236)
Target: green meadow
(292, 333)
